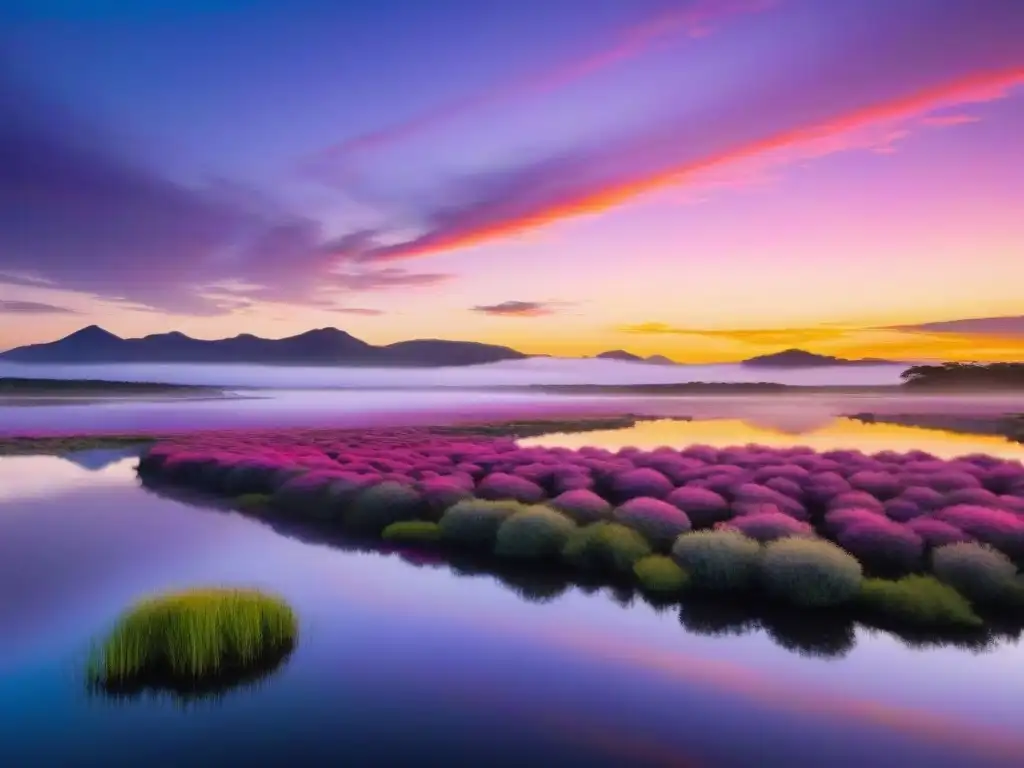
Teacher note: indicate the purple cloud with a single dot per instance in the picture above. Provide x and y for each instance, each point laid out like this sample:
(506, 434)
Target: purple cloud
(32, 308)
(518, 308)
(75, 215)
(1011, 327)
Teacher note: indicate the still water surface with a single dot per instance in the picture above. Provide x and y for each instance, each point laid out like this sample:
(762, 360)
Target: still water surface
(405, 665)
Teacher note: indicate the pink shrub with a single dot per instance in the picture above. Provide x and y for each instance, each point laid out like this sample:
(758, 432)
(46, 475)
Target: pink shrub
(768, 526)
(786, 487)
(881, 485)
(706, 453)
(570, 481)
(976, 496)
(923, 497)
(499, 485)
(752, 493)
(1013, 504)
(820, 488)
(935, 532)
(901, 509)
(947, 480)
(857, 500)
(1003, 530)
(791, 472)
(887, 547)
(583, 506)
(1001, 479)
(702, 506)
(844, 517)
(658, 521)
(722, 484)
(641, 483)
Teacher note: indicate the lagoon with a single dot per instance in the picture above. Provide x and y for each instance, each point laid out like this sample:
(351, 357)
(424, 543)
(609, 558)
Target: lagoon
(396, 659)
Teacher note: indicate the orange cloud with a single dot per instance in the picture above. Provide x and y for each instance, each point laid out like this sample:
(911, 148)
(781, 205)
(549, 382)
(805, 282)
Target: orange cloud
(841, 133)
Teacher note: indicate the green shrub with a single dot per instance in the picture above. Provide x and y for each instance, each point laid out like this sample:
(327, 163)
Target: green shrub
(188, 637)
(475, 522)
(533, 532)
(718, 560)
(920, 601)
(379, 506)
(607, 547)
(810, 573)
(657, 573)
(979, 572)
(412, 530)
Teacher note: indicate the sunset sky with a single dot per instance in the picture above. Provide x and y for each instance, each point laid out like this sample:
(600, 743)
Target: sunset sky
(703, 179)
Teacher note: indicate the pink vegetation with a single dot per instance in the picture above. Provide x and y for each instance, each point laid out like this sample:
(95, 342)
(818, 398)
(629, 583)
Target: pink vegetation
(1003, 530)
(658, 520)
(704, 507)
(935, 532)
(641, 482)
(768, 526)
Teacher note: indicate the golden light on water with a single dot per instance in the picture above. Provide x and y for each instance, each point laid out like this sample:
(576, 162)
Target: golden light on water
(835, 434)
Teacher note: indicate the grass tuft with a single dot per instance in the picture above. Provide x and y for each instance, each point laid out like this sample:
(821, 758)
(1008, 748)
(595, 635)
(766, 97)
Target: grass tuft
(187, 639)
(605, 547)
(657, 573)
(921, 601)
(412, 530)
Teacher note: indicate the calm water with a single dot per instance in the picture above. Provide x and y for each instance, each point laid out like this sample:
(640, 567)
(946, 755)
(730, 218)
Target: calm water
(400, 664)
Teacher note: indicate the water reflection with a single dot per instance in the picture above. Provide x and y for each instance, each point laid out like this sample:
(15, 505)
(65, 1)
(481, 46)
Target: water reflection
(819, 433)
(497, 663)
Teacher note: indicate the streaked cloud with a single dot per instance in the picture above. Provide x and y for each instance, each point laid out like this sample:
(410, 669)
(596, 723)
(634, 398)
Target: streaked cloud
(518, 308)
(33, 308)
(560, 188)
(1009, 327)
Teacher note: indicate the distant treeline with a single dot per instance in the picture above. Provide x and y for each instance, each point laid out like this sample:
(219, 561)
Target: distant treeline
(10, 385)
(966, 376)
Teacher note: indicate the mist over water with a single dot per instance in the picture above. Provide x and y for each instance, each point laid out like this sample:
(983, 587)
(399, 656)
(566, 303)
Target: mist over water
(537, 370)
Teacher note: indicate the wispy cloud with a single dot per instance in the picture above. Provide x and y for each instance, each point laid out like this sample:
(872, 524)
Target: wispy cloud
(694, 18)
(557, 189)
(519, 308)
(1007, 326)
(33, 308)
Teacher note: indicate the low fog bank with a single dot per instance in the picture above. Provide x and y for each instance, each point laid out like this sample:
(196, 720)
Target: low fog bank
(508, 373)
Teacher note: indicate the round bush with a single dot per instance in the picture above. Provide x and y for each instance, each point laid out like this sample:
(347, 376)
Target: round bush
(920, 601)
(810, 573)
(380, 505)
(658, 521)
(838, 519)
(439, 494)
(582, 505)
(881, 485)
(534, 532)
(606, 547)
(188, 640)
(977, 571)
(902, 510)
(1003, 530)
(768, 526)
(702, 506)
(717, 560)
(883, 546)
(412, 530)
(786, 487)
(475, 522)
(660, 574)
(922, 497)
(644, 482)
(857, 500)
(499, 485)
(935, 532)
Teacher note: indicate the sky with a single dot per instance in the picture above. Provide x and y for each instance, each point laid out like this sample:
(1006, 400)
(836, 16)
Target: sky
(703, 179)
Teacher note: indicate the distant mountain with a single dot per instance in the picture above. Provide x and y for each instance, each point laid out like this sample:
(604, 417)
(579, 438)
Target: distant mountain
(629, 357)
(324, 346)
(799, 358)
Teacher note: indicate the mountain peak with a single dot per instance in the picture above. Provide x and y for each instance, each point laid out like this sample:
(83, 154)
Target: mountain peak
(93, 333)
